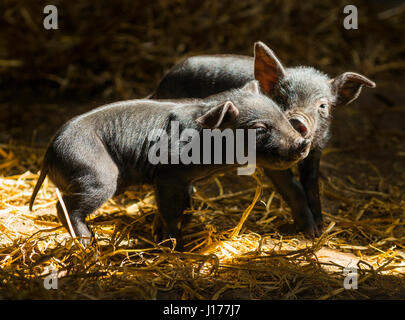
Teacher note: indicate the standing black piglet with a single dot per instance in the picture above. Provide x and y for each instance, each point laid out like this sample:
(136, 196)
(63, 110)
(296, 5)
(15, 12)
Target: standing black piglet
(98, 154)
(306, 96)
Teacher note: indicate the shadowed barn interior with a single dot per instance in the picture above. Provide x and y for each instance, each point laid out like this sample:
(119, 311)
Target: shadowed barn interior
(109, 51)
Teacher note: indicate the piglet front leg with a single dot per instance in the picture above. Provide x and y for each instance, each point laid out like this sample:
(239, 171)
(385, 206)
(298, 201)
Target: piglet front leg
(309, 173)
(172, 198)
(294, 195)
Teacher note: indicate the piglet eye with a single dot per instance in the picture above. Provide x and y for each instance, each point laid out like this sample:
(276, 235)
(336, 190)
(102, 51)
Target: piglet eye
(323, 106)
(259, 125)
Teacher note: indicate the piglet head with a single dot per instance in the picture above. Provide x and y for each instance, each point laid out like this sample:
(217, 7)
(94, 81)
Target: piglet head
(277, 144)
(305, 94)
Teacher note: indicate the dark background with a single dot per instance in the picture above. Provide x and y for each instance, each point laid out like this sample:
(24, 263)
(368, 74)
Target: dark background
(109, 50)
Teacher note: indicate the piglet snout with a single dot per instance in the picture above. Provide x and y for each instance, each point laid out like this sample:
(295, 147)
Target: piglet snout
(302, 148)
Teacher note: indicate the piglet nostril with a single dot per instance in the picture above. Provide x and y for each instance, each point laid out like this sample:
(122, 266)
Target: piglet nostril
(299, 126)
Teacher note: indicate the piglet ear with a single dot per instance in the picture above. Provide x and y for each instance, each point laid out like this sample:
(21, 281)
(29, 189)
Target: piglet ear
(268, 69)
(347, 86)
(252, 86)
(218, 115)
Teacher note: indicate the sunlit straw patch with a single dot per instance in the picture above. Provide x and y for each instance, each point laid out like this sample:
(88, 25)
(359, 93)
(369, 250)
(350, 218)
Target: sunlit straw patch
(125, 262)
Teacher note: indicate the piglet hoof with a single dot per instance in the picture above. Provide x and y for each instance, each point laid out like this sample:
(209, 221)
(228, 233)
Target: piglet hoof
(318, 223)
(179, 246)
(310, 230)
(287, 229)
(157, 229)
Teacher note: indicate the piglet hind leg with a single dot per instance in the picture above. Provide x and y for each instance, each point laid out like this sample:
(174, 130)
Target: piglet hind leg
(87, 193)
(172, 199)
(79, 225)
(79, 206)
